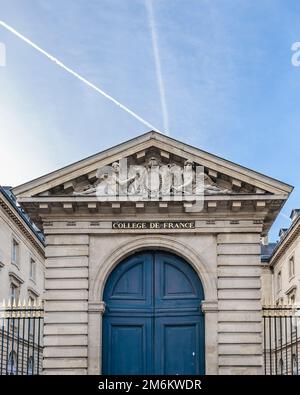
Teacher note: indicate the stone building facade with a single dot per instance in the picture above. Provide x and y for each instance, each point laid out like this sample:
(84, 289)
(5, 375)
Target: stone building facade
(281, 298)
(206, 240)
(21, 253)
(22, 271)
(281, 269)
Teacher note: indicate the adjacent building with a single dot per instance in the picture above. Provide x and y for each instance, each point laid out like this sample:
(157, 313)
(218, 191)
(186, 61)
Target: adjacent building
(22, 272)
(281, 300)
(21, 253)
(281, 280)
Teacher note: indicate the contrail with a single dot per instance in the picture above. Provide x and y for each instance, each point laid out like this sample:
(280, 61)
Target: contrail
(78, 76)
(160, 81)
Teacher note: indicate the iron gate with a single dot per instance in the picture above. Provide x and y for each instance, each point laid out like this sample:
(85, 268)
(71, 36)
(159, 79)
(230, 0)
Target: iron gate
(281, 340)
(21, 339)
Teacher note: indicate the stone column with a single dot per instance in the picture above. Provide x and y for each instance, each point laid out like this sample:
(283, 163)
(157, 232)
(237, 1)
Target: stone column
(66, 304)
(239, 303)
(96, 311)
(210, 310)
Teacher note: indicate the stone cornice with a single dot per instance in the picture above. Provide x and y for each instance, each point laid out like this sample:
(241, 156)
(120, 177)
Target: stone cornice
(209, 306)
(291, 289)
(16, 277)
(292, 234)
(260, 207)
(19, 221)
(86, 199)
(33, 291)
(96, 307)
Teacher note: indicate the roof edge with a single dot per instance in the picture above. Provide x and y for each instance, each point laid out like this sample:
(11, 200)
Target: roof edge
(141, 139)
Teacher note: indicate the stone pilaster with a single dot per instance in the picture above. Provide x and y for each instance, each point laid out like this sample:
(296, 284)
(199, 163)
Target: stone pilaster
(96, 311)
(66, 305)
(210, 310)
(239, 303)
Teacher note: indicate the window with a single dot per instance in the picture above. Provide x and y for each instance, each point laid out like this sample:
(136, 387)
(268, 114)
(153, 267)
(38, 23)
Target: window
(14, 287)
(294, 364)
(281, 366)
(32, 270)
(291, 267)
(279, 281)
(14, 292)
(292, 299)
(15, 252)
(30, 366)
(31, 300)
(12, 363)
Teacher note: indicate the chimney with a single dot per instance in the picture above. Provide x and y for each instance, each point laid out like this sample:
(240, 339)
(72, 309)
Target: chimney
(282, 233)
(295, 214)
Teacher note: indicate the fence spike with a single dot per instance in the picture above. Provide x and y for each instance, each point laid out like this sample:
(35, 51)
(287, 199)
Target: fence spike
(3, 304)
(19, 308)
(15, 342)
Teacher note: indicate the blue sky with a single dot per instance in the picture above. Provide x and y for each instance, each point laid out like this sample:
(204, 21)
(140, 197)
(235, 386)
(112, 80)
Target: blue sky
(230, 86)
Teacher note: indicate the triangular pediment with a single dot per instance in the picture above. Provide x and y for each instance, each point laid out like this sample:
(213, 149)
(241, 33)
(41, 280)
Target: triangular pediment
(227, 177)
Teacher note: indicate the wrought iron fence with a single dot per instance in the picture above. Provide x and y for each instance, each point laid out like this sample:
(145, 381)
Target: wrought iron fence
(21, 346)
(281, 340)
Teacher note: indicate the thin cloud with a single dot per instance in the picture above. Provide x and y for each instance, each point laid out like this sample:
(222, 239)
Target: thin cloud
(161, 87)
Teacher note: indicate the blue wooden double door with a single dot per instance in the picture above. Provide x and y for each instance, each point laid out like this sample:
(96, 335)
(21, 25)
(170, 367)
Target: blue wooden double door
(153, 323)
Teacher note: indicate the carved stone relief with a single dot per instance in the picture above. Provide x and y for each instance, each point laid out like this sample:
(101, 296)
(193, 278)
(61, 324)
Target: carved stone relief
(153, 180)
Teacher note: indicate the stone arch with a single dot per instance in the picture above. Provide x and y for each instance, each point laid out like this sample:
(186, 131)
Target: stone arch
(111, 260)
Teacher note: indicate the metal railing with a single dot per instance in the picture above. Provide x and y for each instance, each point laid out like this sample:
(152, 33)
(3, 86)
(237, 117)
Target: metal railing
(21, 348)
(281, 340)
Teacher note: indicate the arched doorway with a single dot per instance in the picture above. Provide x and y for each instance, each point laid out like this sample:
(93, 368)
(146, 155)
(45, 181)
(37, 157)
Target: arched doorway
(153, 323)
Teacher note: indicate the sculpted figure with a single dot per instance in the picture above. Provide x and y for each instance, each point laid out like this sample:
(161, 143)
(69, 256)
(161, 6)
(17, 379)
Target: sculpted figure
(208, 186)
(89, 190)
(188, 179)
(211, 187)
(192, 184)
(108, 183)
(152, 178)
(176, 174)
(137, 187)
(121, 184)
(166, 180)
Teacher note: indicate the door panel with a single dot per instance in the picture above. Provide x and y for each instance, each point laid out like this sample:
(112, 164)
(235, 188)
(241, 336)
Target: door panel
(179, 345)
(130, 285)
(127, 345)
(176, 284)
(153, 323)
